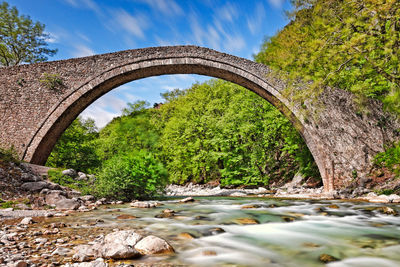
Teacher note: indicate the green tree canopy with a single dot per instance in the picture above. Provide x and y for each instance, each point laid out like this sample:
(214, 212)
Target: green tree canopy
(21, 39)
(353, 45)
(221, 131)
(76, 147)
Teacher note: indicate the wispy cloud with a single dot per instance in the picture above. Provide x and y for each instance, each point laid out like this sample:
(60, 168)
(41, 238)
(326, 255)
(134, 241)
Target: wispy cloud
(228, 12)
(134, 25)
(52, 38)
(167, 7)
(254, 22)
(104, 109)
(88, 4)
(82, 50)
(216, 35)
(276, 3)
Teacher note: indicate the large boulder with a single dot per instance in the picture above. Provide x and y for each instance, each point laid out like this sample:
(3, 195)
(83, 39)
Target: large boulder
(34, 186)
(52, 197)
(120, 245)
(153, 245)
(67, 204)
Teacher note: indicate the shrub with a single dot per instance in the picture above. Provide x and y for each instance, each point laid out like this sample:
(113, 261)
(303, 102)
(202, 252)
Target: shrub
(390, 158)
(136, 175)
(56, 176)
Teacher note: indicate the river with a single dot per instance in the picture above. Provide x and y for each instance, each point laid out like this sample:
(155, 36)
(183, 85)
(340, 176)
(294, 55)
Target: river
(259, 231)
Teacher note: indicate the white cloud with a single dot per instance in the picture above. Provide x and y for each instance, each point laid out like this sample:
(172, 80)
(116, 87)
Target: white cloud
(234, 43)
(276, 3)
(52, 38)
(227, 12)
(100, 115)
(135, 25)
(88, 4)
(167, 7)
(82, 51)
(104, 109)
(254, 22)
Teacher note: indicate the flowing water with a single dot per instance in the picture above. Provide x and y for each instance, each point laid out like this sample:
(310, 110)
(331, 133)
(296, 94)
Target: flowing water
(262, 231)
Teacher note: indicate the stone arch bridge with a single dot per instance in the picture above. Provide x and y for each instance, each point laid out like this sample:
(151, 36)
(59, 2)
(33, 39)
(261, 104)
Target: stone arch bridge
(39, 101)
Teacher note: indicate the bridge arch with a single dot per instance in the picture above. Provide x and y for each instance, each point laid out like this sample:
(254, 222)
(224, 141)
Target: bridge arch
(86, 79)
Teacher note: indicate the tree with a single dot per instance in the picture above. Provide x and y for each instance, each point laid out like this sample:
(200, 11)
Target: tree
(76, 147)
(21, 39)
(352, 45)
(220, 131)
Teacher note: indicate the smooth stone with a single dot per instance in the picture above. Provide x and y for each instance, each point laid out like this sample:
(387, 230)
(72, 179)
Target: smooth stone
(26, 220)
(245, 221)
(186, 236)
(120, 245)
(153, 245)
(125, 217)
(186, 200)
(34, 186)
(70, 172)
(325, 258)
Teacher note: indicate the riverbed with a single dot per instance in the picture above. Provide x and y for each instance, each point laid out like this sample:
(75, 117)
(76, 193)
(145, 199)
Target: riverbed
(222, 231)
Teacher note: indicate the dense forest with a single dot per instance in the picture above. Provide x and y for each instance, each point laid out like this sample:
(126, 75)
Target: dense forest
(214, 132)
(217, 132)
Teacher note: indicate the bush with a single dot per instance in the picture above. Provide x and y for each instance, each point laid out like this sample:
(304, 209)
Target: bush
(56, 176)
(9, 155)
(136, 175)
(390, 158)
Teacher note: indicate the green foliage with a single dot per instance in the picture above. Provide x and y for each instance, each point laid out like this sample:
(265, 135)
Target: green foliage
(7, 204)
(9, 155)
(56, 176)
(21, 39)
(390, 158)
(51, 81)
(132, 131)
(353, 45)
(76, 147)
(135, 175)
(221, 131)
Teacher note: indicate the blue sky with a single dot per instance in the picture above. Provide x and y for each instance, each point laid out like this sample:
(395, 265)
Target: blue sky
(80, 28)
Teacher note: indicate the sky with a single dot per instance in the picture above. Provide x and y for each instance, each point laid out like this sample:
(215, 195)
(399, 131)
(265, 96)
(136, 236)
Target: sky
(79, 28)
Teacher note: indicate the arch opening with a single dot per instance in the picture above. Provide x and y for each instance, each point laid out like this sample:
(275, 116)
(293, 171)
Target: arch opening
(66, 110)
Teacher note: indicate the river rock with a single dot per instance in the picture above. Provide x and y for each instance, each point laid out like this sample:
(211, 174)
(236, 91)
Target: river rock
(28, 177)
(81, 176)
(85, 253)
(186, 200)
(325, 258)
(67, 204)
(99, 262)
(26, 220)
(246, 221)
(153, 245)
(120, 245)
(70, 172)
(61, 251)
(87, 198)
(379, 199)
(143, 205)
(238, 194)
(21, 263)
(387, 210)
(54, 196)
(34, 186)
(394, 198)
